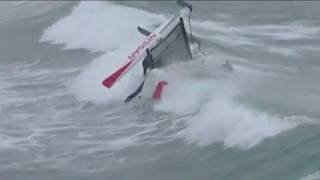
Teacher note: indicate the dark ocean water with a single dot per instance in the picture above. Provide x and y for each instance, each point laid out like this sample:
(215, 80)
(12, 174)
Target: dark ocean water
(58, 122)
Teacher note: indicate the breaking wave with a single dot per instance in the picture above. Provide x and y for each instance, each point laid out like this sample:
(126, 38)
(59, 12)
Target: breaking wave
(102, 32)
(217, 116)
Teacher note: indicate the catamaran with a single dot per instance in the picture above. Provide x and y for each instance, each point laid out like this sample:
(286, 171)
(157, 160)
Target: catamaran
(158, 49)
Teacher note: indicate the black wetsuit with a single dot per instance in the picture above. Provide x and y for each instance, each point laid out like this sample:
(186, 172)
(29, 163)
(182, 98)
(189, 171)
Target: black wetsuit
(147, 63)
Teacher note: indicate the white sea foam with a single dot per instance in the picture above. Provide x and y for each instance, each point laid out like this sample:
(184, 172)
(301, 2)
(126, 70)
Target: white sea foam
(217, 116)
(100, 26)
(232, 35)
(313, 176)
(289, 31)
(105, 27)
(234, 125)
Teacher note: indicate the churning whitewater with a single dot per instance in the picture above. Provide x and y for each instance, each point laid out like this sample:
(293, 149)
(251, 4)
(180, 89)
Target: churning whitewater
(259, 122)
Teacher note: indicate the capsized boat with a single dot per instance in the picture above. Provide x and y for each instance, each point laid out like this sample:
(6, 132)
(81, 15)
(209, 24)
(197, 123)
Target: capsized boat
(167, 44)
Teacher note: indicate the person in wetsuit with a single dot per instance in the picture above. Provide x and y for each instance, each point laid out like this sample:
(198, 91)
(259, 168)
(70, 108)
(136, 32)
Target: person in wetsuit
(147, 63)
